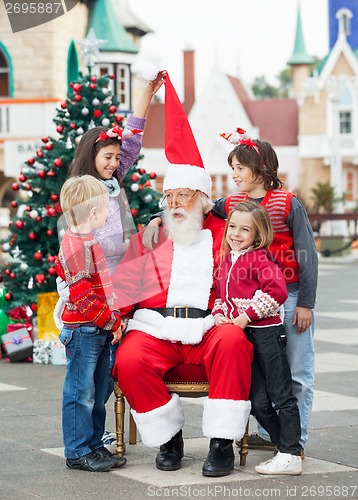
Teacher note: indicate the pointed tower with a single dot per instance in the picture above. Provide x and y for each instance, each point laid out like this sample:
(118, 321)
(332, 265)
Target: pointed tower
(118, 54)
(299, 61)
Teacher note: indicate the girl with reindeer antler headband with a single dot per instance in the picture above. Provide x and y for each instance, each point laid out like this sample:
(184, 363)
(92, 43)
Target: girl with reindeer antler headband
(254, 165)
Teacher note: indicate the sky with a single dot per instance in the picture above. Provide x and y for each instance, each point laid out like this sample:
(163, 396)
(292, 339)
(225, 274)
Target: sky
(247, 38)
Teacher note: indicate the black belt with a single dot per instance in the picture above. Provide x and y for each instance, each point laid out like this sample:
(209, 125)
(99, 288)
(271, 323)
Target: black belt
(183, 312)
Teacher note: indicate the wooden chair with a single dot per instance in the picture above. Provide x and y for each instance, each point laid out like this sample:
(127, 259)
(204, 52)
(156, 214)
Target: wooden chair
(187, 381)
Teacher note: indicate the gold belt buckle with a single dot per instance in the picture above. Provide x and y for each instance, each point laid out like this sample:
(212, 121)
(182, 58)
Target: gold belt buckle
(181, 307)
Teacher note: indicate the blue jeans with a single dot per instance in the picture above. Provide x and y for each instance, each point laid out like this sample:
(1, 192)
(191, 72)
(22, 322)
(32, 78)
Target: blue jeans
(85, 387)
(272, 399)
(301, 358)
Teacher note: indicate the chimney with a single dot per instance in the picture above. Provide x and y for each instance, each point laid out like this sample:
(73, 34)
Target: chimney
(189, 83)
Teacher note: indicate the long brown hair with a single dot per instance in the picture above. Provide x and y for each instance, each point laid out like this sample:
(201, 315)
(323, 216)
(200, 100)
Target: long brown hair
(87, 150)
(262, 223)
(264, 164)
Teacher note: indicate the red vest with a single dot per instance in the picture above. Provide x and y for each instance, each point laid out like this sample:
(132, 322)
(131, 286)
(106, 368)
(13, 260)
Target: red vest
(277, 202)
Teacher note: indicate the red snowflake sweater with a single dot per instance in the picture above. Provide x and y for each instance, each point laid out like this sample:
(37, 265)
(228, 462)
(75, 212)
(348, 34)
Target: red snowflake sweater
(82, 264)
(250, 282)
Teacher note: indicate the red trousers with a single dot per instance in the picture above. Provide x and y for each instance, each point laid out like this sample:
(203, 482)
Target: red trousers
(142, 361)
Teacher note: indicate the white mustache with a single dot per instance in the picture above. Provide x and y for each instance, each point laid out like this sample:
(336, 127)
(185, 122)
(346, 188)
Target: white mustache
(178, 211)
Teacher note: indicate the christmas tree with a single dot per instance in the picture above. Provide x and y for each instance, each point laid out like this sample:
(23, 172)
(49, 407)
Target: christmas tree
(33, 241)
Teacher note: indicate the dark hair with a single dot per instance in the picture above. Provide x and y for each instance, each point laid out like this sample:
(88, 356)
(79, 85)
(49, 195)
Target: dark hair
(264, 164)
(87, 150)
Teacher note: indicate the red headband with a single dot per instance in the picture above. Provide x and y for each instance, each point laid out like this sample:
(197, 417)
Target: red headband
(120, 134)
(240, 138)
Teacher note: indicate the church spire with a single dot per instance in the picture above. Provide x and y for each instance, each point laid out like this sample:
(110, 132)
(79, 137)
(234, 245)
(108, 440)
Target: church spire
(299, 54)
(106, 25)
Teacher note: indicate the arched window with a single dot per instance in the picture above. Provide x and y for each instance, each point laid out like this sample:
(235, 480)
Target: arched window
(6, 81)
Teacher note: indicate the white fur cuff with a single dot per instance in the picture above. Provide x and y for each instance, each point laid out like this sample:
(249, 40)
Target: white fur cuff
(158, 426)
(225, 418)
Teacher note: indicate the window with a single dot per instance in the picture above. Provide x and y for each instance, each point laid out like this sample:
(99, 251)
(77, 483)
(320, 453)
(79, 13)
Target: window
(345, 122)
(120, 85)
(123, 86)
(350, 186)
(4, 75)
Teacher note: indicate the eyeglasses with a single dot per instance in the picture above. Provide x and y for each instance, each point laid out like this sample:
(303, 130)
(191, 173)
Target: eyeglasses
(181, 199)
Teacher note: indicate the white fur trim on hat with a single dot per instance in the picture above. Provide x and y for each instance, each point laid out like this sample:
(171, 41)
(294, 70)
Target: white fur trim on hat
(189, 177)
(158, 426)
(225, 418)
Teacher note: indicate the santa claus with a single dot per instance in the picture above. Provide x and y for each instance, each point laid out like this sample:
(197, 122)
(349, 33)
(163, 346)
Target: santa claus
(167, 294)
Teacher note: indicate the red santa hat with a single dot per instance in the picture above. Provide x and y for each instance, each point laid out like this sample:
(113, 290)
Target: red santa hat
(186, 169)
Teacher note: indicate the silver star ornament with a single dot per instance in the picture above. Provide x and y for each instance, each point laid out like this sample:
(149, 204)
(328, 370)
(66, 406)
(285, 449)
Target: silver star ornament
(90, 48)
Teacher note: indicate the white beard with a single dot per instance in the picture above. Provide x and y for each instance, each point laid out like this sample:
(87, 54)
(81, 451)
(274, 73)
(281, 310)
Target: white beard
(184, 231)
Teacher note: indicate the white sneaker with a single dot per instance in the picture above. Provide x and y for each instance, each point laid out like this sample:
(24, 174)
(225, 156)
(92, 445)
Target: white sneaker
(281, 463)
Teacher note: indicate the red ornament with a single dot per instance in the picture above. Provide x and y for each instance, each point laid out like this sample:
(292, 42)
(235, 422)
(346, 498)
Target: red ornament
(134, 212)
(51, 258)
(49, 146)
(38, 255)
(38, 218)
(153, 175)
(93, 86)
(112, 109)
(58, 162)
(49, 232)
(39, 153)
(31, 236)
(72, 125)
(111, 76)
(7, 272)
(93, 78)
(119, 118)
(41, 174)
(77, 87)
(52, 271)
(97, 113)
(78, 98)
(64, 105)
(28, 187)
(19, 224)
(44, 139)
(30, 161)
(28, 208)
(54, 197)
(134, 177)
(59, 129)
(40, 278)
(51, 212)
(33, 307)
(15, 186)
(142, 171)
(51, 173)
(14, 204)
(8, 296)
(12, 275)
(22, 178)
(71, 85)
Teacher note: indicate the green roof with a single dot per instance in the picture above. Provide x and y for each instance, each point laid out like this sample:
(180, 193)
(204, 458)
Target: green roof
(299, 54)
(106, 26)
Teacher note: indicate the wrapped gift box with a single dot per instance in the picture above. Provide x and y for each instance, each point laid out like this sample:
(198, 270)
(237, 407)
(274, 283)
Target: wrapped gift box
(49, 352)
(42, 352)
(18, 344)
(58, 353)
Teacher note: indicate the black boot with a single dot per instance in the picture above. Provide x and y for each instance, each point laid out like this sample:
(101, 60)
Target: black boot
(220, 459)
(171, 453)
